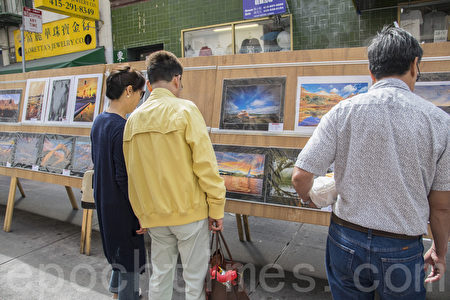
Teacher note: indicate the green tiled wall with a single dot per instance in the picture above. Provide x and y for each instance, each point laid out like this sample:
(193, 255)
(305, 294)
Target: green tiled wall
(317, 24)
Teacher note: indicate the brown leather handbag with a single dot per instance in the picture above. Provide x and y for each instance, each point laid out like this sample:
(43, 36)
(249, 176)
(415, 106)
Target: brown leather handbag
(224, 280)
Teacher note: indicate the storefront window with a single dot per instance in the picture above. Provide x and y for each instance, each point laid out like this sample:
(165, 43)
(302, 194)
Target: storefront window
(427, 21)
(256, 36)
(208, 42)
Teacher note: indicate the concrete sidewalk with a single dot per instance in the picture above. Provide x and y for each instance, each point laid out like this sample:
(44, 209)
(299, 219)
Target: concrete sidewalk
(39, 258)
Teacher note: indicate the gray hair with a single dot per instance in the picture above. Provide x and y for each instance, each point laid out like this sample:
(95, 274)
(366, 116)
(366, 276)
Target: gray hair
(392, 51)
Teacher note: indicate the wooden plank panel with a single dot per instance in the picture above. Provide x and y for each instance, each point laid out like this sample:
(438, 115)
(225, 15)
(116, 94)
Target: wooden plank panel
(258, 140)
(294, 214)
(82, 131)
(93, 69)
(42, 177)
(198, 86)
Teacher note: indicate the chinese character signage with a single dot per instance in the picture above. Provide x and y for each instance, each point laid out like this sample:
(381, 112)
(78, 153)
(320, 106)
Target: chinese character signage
(57, 38)
(120, 56)
(262, 8)
(76, 8)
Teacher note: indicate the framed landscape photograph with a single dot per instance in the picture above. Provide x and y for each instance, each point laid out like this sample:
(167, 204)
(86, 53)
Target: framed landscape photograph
(85, 104)
(7, 143)
(56, 154)
(252, 103)
(9, 105)
(316, 95)
(82, 159)
(28, 148)
(242, 169)
(58, 100)
(35, 100)
(279, 186)
(437, 92)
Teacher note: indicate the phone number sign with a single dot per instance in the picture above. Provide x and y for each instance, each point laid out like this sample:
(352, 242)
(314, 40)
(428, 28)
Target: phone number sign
(77, 8)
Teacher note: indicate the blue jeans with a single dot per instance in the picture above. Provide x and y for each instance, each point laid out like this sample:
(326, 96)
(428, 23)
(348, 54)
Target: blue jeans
(125, 284)
(359, 263)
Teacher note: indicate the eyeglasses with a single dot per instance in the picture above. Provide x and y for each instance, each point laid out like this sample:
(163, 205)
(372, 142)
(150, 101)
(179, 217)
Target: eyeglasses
(418, 72)
(181, 84)
(142, 94)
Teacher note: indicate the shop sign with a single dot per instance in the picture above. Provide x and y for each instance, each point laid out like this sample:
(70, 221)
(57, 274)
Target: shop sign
(262, 8)
(57, 38)
(120, 56)
(32, 20)
(76, 8)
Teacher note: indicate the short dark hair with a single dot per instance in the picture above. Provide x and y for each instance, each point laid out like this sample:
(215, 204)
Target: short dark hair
(121, 77)
(392, 51)
(163, 65)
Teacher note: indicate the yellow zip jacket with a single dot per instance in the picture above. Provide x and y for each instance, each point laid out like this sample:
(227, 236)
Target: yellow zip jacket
(173, 178)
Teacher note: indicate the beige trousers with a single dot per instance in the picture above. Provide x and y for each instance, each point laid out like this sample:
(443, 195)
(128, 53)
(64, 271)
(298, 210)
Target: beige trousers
(192, 242)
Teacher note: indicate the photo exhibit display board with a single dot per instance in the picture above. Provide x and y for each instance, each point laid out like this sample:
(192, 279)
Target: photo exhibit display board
(316, 95)
(27, 150)
(56, 154)
(35, 100)
(252, 103)
(280, 188)
(242, 169)
(435, 87)
(7, 144)
(259, 174)
(437, 92)
(86, 104)
(9, 105)
(60, 94)
(82, 159)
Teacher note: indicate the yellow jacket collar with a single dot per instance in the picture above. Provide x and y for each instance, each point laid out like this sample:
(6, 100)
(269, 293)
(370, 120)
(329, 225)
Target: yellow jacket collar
(161, 92)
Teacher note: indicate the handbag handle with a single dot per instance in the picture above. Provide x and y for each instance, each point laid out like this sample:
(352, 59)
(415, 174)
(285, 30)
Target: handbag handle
(218, 237)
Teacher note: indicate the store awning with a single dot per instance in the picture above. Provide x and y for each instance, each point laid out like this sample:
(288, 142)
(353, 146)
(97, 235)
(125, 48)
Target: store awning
(77, 59)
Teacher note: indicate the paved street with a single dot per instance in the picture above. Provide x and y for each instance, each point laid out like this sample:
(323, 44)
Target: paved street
(39, 258)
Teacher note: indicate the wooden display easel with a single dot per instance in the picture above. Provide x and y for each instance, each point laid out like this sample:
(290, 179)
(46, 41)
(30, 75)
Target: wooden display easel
(15, 174)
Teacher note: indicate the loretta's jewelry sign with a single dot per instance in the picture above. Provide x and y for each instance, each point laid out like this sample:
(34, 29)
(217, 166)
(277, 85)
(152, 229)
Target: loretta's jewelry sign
(87, 9)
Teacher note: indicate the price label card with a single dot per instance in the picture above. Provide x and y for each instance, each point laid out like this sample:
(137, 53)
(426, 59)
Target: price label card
(66, 172)
(8, 164)
(35, 168)
(277, 127)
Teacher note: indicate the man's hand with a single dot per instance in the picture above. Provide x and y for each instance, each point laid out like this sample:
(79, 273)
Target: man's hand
(215, 225)
(141, 230)
(437, 265)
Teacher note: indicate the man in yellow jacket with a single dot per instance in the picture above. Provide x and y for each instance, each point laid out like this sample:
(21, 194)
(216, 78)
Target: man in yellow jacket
(173, 179)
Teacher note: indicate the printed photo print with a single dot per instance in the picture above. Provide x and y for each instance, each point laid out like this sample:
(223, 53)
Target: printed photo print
(9, 105)
(7, 143)
(35, 100)
(56, 153)
(28, 148)
(252, 103)
(242, 169)
(85, 107)
(437, 92)
(82, 160)
(280, 189)
(317, 95)
(57, 110)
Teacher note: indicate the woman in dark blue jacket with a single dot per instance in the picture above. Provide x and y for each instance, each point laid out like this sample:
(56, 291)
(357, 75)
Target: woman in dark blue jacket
(122, 235)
